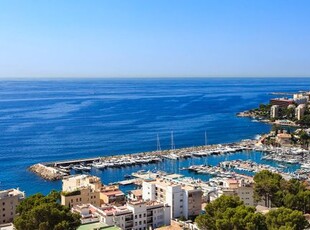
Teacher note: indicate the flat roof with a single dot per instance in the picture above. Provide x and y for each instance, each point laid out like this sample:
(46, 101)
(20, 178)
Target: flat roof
(97, 225)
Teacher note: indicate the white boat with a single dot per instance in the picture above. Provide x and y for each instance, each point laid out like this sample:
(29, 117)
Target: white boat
(305, 166)
(81, 168)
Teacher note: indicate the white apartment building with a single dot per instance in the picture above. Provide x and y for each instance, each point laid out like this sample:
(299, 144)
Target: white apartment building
(274, 111)
(133, 216)
(9, 200)
(300, 110)
(185, 201)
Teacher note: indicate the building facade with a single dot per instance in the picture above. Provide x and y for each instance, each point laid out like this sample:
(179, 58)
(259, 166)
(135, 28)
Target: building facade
(185, 201)
(81, 189)
(274, 111)
(300, 111)
(9, 200)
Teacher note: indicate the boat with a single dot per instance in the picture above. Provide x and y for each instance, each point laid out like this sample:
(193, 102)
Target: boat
(127, 176)
(81, 168)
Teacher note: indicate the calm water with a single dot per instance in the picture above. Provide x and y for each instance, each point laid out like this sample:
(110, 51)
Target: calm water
(67, 119)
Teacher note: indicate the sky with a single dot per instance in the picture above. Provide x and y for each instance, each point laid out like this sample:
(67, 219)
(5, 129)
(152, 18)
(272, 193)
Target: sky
(154, 38)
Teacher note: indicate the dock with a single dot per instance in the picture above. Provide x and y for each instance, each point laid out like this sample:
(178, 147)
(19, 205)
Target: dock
(56, 170)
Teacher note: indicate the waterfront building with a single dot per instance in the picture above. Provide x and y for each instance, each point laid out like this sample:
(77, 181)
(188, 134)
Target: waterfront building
(9, 200)
(300, 110)
(81, 189)
(132, 216)
(274, 111)
(111, 195)
(281, 102)
(185, 200)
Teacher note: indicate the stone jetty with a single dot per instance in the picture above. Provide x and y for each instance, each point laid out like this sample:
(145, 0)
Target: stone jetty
(46, 172)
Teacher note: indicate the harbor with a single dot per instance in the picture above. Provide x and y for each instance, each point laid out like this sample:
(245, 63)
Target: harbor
(58, 170)
(202, 162)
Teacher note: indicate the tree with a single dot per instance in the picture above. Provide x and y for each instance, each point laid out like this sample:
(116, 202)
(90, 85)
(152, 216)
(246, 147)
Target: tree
(284, 218)
(229, 213)
(267, 184)
(45, 213)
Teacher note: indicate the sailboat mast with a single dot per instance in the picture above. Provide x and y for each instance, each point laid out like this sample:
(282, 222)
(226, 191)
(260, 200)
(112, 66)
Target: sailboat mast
(172, 141)
(158, 144)
(206, 141)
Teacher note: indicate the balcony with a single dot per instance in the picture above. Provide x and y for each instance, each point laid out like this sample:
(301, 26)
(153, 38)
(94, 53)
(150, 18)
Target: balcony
(150, 213)
(129, 224)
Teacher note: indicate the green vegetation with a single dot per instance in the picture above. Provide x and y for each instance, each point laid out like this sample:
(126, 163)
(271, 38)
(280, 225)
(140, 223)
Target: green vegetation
(285, 219)
(278, 192)
(229, 213)
(45, 213)
(263, 111)
(305, 121)
(71, 193)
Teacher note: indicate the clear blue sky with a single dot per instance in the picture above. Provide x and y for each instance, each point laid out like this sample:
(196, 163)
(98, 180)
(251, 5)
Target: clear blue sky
(136, 38)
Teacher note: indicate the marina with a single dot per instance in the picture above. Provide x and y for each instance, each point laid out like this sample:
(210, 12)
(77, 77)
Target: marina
(243, 158)
(58, 170)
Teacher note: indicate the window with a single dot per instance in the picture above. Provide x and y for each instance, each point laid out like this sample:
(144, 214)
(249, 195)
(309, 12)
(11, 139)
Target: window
(140, 215)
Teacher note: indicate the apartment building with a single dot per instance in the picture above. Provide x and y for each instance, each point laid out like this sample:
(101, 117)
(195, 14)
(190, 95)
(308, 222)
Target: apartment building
(112, 195)
(9, 200)
(185, 201)
(300, 110)
(138, 215)
(242, 188)
(274, 111)
(81, 189)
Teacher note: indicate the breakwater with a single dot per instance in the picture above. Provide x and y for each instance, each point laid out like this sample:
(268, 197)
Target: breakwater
(59, 169)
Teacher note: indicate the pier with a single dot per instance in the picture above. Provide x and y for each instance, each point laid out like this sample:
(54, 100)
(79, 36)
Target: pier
(58, 169)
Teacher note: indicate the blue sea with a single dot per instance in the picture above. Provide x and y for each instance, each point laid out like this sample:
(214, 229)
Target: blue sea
(51, 120)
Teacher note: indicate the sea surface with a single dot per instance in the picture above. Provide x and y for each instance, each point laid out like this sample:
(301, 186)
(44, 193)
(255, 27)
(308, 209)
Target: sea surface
(51, 120)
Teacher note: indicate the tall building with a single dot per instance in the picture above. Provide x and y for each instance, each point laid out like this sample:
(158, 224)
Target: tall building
(185, 201)
(81, 189)
(9, 200)
(274, 111)
(300, 110)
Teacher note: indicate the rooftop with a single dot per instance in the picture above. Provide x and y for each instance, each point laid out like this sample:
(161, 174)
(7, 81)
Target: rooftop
(98, 225)
(11, 193)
